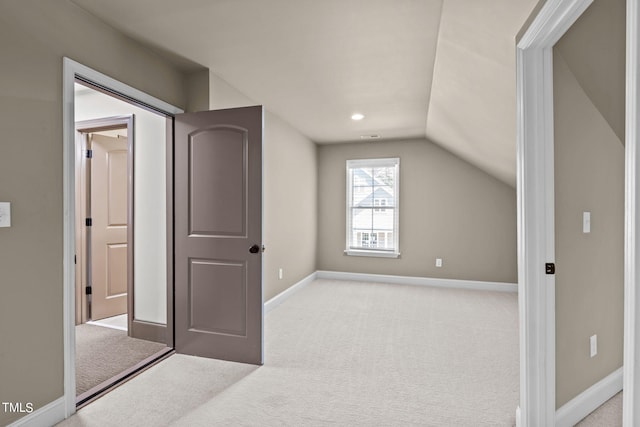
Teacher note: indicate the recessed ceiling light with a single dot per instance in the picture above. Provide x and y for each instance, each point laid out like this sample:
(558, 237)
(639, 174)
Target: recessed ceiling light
(369, 136)
(357, 116)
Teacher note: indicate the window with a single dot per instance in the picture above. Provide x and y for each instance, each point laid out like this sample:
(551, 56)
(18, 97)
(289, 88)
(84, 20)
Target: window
(372, 207)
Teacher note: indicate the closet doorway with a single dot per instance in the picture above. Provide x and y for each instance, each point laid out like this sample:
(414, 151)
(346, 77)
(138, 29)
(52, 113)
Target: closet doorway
(120, 292)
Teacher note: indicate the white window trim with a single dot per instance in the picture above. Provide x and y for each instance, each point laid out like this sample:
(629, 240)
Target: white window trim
(380, 253)
(372, 253)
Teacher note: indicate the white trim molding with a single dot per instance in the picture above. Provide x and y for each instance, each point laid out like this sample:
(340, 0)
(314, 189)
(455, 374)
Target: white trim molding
(419, 281)
(49, 415)
(365, 253)
(71, 70)
(589, 400)
(631, 380)
(535, 200)
(287, 293)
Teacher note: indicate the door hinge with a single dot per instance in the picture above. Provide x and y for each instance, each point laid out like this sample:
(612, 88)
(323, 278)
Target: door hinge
(89, 154)
(550, 268)
(88, 222)
(87, 290)
(75, 259)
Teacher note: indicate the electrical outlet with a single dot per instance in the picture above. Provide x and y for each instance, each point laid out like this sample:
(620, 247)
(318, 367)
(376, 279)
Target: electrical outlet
(438, 262)
(593, 344)
(280, 273)
(5, 214)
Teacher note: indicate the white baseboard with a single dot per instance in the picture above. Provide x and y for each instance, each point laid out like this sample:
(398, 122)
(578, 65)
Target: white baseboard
(589, 400)
(47, 416)
(284, 295)
(420, 281)
(383, 278)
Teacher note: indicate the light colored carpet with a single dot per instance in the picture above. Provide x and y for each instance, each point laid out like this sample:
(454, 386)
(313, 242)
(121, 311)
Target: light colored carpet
(102, 353)
(607, 415)
(344, 354)
(115, 322)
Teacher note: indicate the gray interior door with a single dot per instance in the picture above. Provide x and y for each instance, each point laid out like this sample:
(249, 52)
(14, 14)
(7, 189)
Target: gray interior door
(218, 234)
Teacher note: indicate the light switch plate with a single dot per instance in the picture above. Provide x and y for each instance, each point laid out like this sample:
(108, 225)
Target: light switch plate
(586, 222)
(5, 214)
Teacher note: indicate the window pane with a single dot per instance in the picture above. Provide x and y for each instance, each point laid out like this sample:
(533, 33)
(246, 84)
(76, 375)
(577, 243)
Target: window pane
(373, 240)
(362, 177)
(384, 176)
(363, 196)
(383, 220)
(361, 219)
(384, 195)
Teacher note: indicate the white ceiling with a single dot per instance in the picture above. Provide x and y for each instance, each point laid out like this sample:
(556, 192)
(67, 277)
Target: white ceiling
(440, 69)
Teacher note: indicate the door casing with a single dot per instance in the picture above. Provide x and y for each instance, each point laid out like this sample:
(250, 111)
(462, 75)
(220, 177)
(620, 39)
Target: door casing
(73, 70)
(536, 210)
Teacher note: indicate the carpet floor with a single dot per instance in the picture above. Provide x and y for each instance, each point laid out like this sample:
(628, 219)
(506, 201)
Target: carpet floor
(102, 353)
(607, 415)
(344, 354)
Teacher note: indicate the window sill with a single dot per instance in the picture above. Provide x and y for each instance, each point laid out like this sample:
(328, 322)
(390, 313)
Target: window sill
(376, 254)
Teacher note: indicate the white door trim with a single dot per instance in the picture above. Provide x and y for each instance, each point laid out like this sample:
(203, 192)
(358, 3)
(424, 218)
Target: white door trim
(71, 70)
(631, 380)
(536, 209)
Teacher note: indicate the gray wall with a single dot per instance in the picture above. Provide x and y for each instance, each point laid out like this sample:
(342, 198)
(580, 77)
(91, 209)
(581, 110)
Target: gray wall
(34, 36)
(589, 176)
(594, 50)
(448, 209)
(290, 206)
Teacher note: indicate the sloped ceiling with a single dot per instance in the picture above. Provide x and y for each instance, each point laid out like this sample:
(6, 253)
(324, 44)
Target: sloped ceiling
(473, 97)
(441, 69)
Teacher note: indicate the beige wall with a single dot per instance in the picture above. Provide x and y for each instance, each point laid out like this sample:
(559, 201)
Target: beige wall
(290, 205)
(448, 209)
(589, 176)
(594, 50)
(34, 36)
(532, 15)
(197, 87)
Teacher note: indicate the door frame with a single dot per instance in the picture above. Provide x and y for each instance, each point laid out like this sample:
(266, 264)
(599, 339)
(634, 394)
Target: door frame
(83, 128)
(73, 70)
(631, 372)
(535, 191)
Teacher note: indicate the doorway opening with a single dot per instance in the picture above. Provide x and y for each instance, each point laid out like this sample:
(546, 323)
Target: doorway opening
(120, 238)
(207, 156)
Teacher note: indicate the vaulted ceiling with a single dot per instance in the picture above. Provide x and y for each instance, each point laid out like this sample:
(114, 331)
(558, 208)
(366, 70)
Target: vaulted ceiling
(437, 69)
